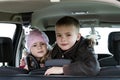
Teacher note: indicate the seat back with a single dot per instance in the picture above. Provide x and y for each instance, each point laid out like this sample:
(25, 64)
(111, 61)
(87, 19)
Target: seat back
(6, 50)
(112, 64)
(110, 71)
(6, 56)
(50, 63)
(114, 49)
(114, 45)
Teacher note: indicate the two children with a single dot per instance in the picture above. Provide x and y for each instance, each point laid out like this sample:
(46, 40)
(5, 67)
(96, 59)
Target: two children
(38, 48)
(71, 45)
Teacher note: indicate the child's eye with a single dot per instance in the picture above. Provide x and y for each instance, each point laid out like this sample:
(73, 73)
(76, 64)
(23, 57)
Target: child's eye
(34, 45)
(58, 35)
(43, 44)
(68, 34)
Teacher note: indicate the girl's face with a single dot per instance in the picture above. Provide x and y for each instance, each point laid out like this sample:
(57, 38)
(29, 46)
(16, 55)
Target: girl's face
(39, 49)
(66, 36)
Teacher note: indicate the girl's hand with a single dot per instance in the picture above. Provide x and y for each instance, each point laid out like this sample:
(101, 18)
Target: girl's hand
(22, 63)
(54, 70)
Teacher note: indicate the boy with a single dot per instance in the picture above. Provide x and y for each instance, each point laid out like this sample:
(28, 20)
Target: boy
(71, 45)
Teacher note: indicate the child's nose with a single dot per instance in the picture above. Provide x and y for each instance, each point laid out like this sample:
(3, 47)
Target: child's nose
(63, 38)
(40, 46)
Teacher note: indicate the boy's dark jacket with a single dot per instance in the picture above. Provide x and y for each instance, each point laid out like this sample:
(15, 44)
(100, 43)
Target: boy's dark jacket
(84, 62)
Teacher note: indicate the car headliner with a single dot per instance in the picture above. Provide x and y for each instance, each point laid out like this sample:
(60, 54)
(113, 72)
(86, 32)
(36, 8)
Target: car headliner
(49, 12)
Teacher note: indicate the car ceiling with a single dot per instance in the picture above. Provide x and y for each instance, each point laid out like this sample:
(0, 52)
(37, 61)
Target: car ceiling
(106, 10)
(20, 6)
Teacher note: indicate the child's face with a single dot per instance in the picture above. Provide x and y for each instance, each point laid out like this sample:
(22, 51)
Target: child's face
(66, 36)
(39, 49)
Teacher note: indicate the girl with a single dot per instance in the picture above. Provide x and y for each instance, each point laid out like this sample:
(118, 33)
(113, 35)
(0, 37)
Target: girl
(38, 48)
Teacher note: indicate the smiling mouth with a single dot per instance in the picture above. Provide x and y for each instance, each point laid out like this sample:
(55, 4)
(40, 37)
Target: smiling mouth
(40, 52)
(63, 44)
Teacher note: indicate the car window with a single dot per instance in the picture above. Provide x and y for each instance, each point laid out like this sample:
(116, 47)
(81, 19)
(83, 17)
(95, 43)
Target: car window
(8, 30)
(102, 46)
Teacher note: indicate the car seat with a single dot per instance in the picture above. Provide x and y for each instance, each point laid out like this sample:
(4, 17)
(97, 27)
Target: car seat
(6, 57)
(50, 63)
(114, 49)
(110, 66)
(51, 36)
(110, 71)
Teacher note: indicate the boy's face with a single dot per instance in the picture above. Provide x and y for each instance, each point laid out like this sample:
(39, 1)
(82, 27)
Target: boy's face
(66, 36)
(39, 49)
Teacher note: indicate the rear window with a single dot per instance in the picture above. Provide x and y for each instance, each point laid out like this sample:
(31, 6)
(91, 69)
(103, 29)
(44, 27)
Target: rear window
(7, 30)
(102, 33)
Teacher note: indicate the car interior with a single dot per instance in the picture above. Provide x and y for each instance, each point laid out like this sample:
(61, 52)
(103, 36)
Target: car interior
(99, 19)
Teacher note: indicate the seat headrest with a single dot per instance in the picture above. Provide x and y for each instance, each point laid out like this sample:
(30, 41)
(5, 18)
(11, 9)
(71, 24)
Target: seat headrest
(6, 49)
(114, 44)
(51, 36)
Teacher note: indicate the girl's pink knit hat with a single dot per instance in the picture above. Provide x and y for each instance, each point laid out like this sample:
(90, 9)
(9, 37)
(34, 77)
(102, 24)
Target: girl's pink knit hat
(35, 36)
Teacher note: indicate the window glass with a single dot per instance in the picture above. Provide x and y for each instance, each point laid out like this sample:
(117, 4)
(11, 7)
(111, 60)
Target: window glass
(7, 30)
(102, 47)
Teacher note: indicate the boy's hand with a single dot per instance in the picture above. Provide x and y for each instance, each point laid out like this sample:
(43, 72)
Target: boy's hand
(54, 70)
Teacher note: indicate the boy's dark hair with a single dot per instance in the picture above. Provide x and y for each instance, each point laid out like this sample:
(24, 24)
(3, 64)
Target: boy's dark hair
(67, 20)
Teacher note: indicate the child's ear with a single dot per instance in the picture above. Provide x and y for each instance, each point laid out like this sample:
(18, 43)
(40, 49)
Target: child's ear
(78, 36)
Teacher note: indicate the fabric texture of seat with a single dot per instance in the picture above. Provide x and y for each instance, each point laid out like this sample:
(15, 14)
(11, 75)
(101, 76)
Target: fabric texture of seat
(12, 70)
(110, 71)
(57, 62)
